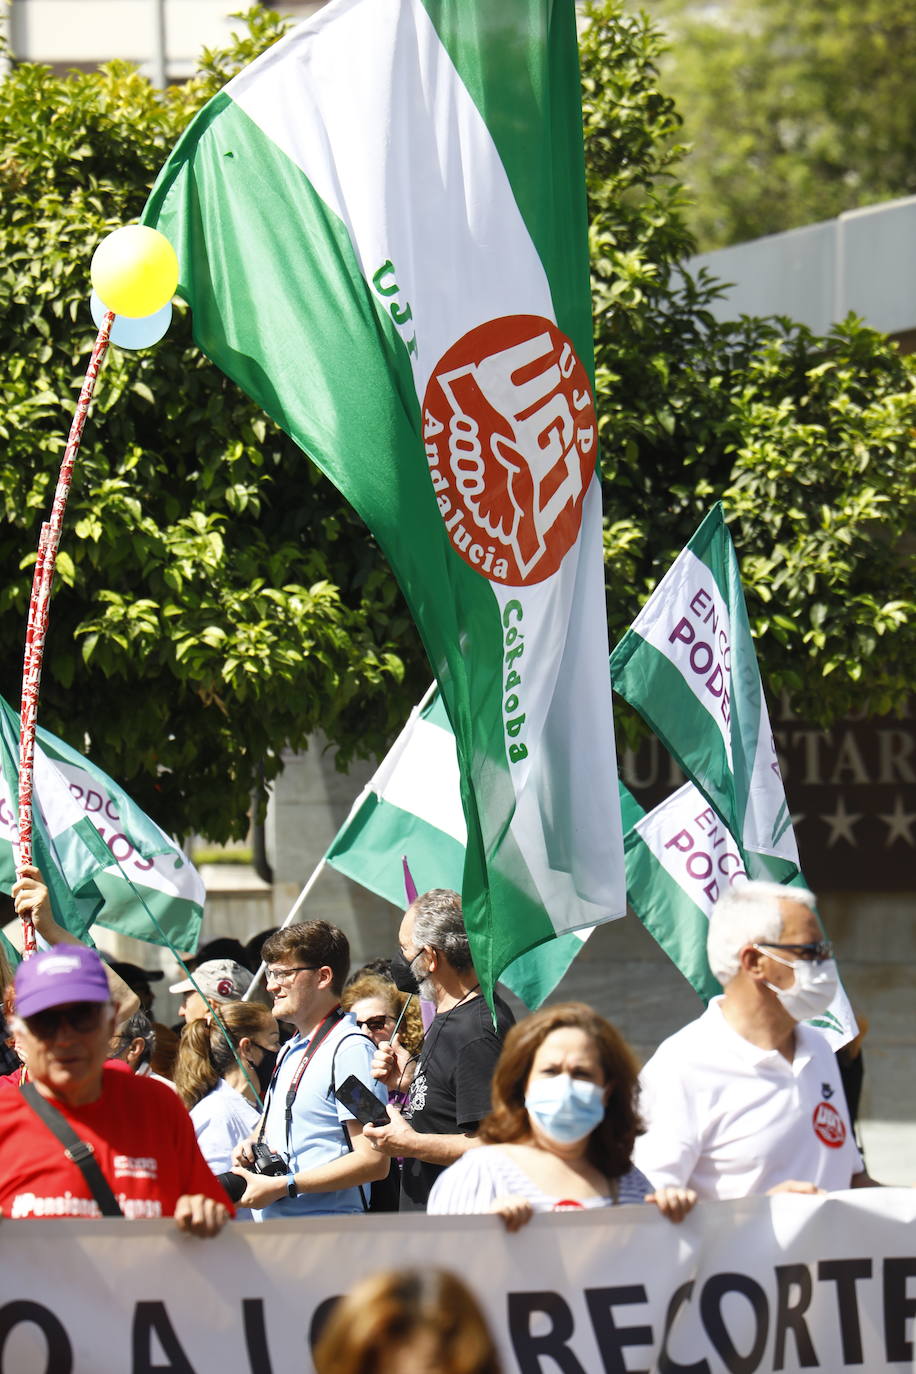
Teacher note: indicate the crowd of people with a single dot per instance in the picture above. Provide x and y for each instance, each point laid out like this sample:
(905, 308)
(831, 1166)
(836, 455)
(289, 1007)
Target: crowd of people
(334, 1099)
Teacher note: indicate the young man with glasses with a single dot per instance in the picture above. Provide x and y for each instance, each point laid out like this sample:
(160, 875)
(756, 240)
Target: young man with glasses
(137, 1132)
(329, 1164)
(747, 1099)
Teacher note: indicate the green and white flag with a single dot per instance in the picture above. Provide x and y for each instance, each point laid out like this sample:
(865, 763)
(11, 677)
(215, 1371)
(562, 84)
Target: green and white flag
(688, 666)
(412, 806)
(104, 861)
(381, 229)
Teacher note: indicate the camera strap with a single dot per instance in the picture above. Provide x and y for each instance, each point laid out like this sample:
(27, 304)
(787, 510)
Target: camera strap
(321, 1033)
(79, 1152)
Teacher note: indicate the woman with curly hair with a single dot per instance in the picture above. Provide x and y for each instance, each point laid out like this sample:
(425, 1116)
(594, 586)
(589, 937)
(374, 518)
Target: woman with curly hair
(377, 1004)
(562, 1126)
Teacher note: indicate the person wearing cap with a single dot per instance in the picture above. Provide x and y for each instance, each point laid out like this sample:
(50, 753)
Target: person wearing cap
(216, 981)
(30, 897)
(140, 1136)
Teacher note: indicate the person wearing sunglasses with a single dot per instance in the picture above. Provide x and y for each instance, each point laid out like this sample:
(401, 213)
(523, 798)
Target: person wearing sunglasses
(134, 1137)
(748, 1099)
(376, 1004)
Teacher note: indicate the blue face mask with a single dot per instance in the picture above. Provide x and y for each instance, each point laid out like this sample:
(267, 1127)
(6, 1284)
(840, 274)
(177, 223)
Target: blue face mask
(566, 1109)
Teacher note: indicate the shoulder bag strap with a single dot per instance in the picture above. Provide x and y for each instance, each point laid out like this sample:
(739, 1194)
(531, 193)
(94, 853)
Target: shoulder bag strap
(79, 1152)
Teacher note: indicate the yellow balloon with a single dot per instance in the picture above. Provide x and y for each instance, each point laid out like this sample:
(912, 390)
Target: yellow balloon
(134, 271)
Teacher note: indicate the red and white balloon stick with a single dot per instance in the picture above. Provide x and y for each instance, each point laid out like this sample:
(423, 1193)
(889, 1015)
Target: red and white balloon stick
(134, 273)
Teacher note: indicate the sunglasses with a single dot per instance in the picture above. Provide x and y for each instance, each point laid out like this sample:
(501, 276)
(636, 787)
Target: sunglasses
(375, 1023)
(816, 951)
(81, 1017)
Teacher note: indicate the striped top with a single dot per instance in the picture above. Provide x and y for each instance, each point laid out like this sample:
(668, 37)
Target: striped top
(479, 1177)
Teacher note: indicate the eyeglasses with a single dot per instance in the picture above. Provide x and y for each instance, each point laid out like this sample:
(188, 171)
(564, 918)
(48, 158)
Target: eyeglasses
(286, 975)
(81, 1017)
(374, 1023)
(815, 951)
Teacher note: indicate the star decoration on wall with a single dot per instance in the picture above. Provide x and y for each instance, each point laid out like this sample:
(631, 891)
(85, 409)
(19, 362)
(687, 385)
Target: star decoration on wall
(899, 824)
(841, 824)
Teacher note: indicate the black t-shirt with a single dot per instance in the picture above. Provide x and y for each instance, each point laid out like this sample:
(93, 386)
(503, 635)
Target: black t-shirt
(450, 1093)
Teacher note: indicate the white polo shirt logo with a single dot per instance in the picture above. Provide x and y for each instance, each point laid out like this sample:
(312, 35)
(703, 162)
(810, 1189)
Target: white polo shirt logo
(829, 1126)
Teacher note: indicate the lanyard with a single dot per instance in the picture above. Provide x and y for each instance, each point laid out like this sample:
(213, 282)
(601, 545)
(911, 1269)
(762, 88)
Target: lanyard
(324, 1029)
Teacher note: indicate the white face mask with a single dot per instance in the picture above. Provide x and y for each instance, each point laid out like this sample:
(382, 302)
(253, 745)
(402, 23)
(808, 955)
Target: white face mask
(812, 992)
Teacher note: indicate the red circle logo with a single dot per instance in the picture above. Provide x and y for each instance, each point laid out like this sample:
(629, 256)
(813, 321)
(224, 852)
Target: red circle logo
(511, 442)
(225, 987)
(829, 1126)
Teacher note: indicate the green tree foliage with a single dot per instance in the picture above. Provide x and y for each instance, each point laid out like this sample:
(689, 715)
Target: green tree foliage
(795, 112)
(217, 601)
(808, 440)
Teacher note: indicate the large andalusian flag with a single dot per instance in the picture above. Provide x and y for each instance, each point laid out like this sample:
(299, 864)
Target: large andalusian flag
(411, 808)
(104, 861)
(381, 226)
(688, 666)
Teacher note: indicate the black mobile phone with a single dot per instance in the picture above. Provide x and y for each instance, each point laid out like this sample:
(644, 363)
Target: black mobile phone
(364, 1104)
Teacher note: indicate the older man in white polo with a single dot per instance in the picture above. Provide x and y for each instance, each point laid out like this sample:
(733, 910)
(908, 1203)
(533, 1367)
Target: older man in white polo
(747, 1099)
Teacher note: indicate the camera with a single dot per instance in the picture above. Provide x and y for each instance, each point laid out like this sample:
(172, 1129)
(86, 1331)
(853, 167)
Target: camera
(266, 1161)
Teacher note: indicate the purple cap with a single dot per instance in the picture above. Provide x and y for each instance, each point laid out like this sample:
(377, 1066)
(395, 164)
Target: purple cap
(66, 973)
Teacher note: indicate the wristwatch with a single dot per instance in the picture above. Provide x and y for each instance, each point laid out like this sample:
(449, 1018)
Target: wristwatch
(291, 1189)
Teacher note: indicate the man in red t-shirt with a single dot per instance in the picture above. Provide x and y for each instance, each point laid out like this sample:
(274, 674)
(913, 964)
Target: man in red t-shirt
(141, 1135)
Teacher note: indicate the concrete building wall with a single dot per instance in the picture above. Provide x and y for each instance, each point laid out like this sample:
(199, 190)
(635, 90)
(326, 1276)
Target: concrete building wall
(164, 37)
(861, 262)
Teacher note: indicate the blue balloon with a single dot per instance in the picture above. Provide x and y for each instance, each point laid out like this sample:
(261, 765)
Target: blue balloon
(133, 333)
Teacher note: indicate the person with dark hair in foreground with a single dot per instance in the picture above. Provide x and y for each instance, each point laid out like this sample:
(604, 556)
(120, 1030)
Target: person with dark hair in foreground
(562, 1128)
(406, 1321)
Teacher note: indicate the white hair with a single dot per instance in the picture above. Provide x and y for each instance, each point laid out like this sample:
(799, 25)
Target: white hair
(747, 915)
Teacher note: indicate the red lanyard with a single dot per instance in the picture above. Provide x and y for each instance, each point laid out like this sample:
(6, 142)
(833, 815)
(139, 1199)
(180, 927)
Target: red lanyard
(317, 1040)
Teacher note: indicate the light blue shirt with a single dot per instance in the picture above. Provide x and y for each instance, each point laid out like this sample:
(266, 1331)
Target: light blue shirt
(317, 1128)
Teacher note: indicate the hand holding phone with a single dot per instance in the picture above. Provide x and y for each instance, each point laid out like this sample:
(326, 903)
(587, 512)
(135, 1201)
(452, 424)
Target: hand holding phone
(364, 1105)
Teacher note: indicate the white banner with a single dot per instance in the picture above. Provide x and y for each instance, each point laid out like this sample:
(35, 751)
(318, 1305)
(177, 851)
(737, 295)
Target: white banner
(788, 1283)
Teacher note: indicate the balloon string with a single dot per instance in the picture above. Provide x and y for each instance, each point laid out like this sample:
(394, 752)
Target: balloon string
(39, 607)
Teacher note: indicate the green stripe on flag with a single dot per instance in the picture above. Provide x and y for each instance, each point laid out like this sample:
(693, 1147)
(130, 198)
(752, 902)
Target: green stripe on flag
(11, 954)
(642, 674)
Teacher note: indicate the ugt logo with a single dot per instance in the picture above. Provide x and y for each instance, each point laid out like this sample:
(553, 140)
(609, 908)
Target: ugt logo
(511, 443)
(829, 1126)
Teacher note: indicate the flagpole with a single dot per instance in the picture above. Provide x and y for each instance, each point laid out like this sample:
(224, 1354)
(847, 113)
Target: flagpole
(303, 895)
(39, 607)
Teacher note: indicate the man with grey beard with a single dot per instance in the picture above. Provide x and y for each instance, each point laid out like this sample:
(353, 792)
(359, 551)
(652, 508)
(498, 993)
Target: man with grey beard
(450, 1092)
